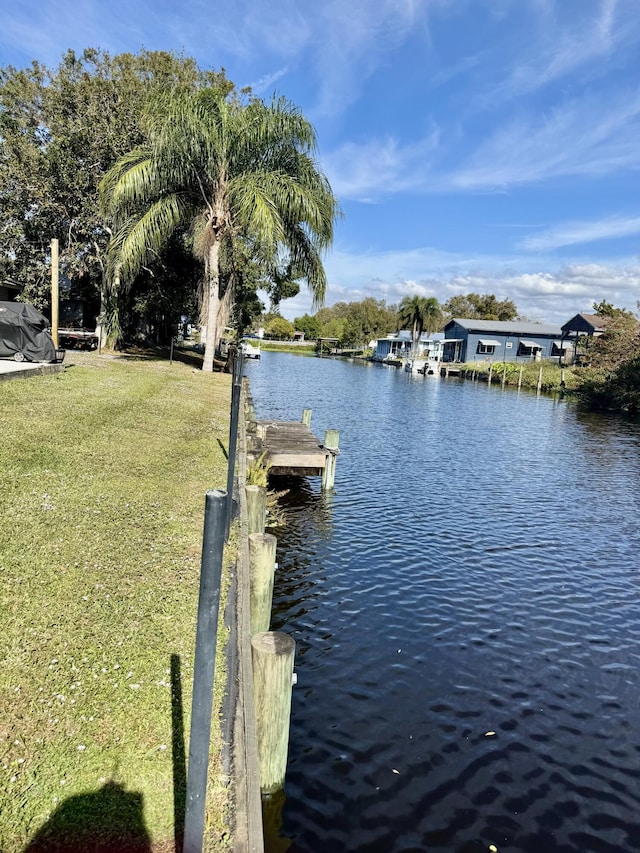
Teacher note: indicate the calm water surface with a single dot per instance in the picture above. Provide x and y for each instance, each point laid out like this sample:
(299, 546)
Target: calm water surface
(465, 608)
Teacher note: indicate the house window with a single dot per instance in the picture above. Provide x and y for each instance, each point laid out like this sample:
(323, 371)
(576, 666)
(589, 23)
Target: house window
(487, 347)
(528, 348)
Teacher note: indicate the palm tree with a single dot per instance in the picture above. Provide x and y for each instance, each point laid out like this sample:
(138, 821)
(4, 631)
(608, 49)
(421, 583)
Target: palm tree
(225, 171)
(420, 313)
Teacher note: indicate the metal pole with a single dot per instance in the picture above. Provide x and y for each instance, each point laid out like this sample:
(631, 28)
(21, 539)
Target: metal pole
(238, 364)
(171, 353)
(203, 669)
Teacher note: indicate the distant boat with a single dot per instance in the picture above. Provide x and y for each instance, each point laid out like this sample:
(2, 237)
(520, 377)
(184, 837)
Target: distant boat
(249, 350)
(426, 366)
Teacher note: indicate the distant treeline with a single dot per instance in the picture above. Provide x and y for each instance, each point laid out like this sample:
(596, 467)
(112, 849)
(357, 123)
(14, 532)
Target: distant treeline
(358, 323)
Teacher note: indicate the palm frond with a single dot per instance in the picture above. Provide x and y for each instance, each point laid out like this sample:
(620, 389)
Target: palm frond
(306, 259)
(116, 173)
(140, 236)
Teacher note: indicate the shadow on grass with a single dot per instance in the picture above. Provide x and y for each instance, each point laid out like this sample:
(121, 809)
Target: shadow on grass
(141, 353)
(188, 357)
(109, 820)
(178, 753)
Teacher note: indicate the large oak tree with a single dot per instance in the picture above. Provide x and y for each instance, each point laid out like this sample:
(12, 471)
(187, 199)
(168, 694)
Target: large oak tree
(61, 130)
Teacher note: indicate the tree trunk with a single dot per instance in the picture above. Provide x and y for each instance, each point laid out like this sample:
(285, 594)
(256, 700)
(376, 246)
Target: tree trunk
(109, 318)
(101, 318)
(224, 310)
(211, 338)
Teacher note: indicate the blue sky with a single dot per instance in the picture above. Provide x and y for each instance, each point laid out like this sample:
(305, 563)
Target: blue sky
(475, 145)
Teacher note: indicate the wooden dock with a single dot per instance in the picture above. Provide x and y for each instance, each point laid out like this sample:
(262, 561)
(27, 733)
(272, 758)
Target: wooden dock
(291, 448)
(451, 370)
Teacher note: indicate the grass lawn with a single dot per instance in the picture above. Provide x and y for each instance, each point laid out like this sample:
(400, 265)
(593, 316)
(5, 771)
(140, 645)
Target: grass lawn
(104, 470)
(297, 349)
(551, 374)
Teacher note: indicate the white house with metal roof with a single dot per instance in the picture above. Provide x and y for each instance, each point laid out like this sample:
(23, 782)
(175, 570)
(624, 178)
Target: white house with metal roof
(503, 340)
(400, 346)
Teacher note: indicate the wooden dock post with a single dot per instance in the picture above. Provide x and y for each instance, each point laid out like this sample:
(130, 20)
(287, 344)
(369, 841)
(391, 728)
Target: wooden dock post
(520, 377)
(331, 441)
(256, 508)
(539, 388)
(262, 562)
(490, 372)
(504, 373)
(272, 655)
(306, 417)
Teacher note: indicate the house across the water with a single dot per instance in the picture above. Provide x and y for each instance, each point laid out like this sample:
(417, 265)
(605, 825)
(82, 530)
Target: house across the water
(592, 325)
(399, 346)
(501, 340)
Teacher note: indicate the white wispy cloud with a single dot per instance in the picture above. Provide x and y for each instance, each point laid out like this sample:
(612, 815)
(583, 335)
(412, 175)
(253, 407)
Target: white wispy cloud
(379, 167)
(590, 136)
(572, 233)
(265, 85)
(563, 39)
(352, 40)
(45, 31)
(587, 137)
(339, 44)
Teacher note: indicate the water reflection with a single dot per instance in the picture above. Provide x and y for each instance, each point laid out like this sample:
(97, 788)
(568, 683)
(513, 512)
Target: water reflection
(272, 807)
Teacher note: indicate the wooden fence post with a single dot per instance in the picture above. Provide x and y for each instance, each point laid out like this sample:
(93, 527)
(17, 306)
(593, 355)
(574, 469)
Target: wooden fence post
(256, 508)
(331, 441)
(272, 655)
(55, 291)
(262, 562)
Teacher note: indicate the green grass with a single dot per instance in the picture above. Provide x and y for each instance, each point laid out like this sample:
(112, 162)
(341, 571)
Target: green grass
(551, 374)
(298, 349)
(104, 473)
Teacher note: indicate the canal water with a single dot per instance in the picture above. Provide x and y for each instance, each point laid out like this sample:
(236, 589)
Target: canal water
(465, 606)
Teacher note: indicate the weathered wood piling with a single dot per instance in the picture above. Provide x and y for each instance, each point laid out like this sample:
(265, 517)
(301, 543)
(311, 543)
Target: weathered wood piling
(331, 442)
(272, 655)
(262, 563)
(256, 508)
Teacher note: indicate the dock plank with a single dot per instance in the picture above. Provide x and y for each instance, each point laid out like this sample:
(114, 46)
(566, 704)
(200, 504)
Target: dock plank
(291, 448)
